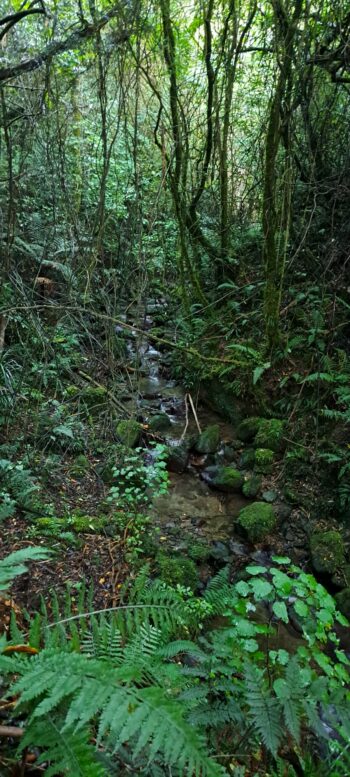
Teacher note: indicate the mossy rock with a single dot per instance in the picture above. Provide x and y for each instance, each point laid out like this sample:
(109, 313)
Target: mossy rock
(227, 479)
(198, 551)
(88, 523)
(177, 457)
(256, 521)
(209, 440)
(177, 570)
(252, 486)
(263, 460)
(129, 433)
(270, 434)
(248, 428)
(220, 398)
(327, 551)
(247, 459)
(342, 599)
(159, 423)
(93, 396)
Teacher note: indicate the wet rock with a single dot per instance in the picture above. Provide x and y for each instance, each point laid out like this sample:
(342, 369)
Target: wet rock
(252, 486)
(229, 452)
(342, 599)
(177, 457)
(220, 551)
(221, 399)
(282, 511)
(209, 440)
(129, 433)
(269, 496)
(257, 521)
(248, 428)
(226, 479)
(270, 434)
(247, 459)
(263, 460)
(159, 422)
(327, 551)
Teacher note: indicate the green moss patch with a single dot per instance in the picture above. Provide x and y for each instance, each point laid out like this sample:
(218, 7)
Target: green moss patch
(257, 521)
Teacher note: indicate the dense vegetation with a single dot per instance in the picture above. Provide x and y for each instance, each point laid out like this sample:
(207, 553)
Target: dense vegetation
(174, 388)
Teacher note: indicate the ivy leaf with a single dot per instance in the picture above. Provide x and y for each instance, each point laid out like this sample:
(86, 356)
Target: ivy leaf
(280, 559)
(243, 588)
(280, 611)
(261, 588)
(301, 608)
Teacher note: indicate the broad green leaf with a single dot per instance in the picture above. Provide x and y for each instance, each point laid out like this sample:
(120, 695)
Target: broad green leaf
(280, 611)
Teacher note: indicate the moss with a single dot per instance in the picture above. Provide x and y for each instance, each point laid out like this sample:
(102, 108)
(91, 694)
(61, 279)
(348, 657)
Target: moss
(209, 440)
(263, 460)
(159, 422)
(327, 551)
(177, 570)
(252, 486)
(87, 523)
(129, 433)
(257, 521)
(248, 428)
(198, 551)
(227, 479)
(270, 434)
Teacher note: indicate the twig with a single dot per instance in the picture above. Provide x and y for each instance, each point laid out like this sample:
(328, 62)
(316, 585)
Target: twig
(11, 731)
(194, 413)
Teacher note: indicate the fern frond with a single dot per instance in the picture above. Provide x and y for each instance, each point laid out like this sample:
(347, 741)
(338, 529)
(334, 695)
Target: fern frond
(264, 708)
(68, 753)
(92, 688)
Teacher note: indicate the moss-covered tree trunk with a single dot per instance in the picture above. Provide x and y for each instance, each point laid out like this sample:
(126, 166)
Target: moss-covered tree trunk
(278, 168)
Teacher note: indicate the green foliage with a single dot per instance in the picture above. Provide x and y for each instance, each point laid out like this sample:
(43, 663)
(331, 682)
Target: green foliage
(173, 701)
(15, 564)
(138, 482)
(17, 488)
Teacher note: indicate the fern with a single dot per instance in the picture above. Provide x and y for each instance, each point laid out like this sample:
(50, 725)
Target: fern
(264, 708)
(15, 564)
(91, 689)
(68, 752)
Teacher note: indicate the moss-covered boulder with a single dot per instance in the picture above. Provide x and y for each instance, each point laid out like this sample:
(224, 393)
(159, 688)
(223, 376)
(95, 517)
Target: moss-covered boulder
(177, 457)
(342, 599)
(263, 460)
(252, 486)
(248, 428)
(93, 397)
(129, 433)
(159, 422)
(270, 434)
(209, 440)
(227, 479)
(247, 459)
(327, 551)
(177, 570)
(257, 521)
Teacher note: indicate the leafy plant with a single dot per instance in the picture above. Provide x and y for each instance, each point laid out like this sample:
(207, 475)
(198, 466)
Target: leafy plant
(17, 488)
